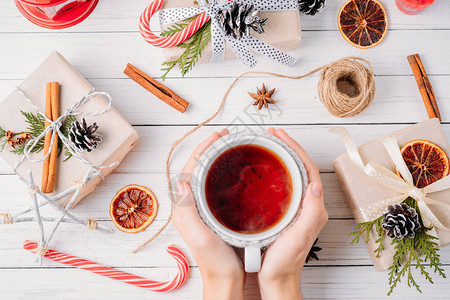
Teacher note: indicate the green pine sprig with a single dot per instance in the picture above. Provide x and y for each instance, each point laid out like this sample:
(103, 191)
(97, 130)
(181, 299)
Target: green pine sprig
(364, 228)
(193, 47)
(65, 130)
(36, 125)
(409, 252)
(176, 27)
(2, 135)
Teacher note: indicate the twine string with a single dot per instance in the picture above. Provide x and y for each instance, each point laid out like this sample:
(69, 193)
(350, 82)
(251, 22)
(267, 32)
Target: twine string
(33, 191)
(91, 224)
(79, 184)
(337, 102)
(55, 128)
(7, 219)
(41, 250)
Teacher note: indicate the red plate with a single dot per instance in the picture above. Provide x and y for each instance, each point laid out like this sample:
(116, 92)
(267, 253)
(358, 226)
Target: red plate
(33, 10)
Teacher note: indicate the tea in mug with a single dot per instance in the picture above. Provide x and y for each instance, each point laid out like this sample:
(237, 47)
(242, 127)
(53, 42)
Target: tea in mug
(248, 189)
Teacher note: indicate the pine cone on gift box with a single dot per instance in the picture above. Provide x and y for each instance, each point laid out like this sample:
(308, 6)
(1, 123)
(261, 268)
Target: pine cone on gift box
(311, 7)
(400, 221)
(84, 138)
(237, 20)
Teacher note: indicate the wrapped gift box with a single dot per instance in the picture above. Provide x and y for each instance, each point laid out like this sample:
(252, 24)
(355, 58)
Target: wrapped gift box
(282, 31)
(118, 135)
(361, 190)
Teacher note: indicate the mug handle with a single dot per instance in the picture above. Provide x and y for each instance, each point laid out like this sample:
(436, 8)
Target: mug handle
(252, 259)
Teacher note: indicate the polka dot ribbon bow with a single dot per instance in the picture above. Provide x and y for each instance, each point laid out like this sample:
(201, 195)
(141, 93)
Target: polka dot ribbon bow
(209, 10)
(403, 185)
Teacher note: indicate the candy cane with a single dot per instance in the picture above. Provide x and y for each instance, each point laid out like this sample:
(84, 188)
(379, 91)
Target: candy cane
(177, 282)
(177, 38)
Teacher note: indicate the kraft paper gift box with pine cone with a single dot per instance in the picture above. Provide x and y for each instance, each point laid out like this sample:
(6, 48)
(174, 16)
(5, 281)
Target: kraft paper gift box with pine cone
(362, 190)
(118, 135)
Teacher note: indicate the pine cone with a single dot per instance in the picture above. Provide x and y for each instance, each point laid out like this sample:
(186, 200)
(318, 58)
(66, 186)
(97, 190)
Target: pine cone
(84, 138)
(237, 20)
(400, 221)
(311, 7)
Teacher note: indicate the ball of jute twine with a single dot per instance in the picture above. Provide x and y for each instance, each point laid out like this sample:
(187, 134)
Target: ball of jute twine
(346, 88)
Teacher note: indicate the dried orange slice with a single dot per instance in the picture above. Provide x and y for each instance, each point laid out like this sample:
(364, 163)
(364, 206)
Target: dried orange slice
(133, 208)
(426, 161)
(363, 23)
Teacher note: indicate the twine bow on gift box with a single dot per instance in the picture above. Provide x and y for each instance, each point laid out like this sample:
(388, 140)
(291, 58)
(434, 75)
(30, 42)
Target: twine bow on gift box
(55, 128)
(403, 185)
(209, 10)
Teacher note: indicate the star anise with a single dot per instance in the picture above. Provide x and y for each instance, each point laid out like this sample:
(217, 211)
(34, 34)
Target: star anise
(313, 252)
(263, 97)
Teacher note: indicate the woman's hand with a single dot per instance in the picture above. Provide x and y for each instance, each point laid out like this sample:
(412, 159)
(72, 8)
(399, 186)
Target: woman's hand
(221, 269)
(283, 261)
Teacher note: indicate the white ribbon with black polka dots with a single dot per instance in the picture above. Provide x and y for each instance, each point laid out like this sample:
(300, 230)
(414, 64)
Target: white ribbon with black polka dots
(404, 185)
(241, 48)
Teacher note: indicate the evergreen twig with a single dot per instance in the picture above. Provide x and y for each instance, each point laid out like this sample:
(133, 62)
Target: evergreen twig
(193, 47)
(2, 135)
(65, 130)
(36, 125)
(422, 245)
(176, 27)
(364, 228)
(408, 251)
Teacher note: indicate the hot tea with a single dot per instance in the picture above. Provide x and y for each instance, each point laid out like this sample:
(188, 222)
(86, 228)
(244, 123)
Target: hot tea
(248, 189)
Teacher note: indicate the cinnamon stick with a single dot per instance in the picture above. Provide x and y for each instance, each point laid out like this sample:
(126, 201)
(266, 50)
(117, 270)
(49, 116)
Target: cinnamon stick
(428, 86)
(52, 113)
(425, 88)
(48, 136)
(156, 88)
(54, 153)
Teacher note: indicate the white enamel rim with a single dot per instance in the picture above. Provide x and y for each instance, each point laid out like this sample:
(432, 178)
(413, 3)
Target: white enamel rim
(286, 154)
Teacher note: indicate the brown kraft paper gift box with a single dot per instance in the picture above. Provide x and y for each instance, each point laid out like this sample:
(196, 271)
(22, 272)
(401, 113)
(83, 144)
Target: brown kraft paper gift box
(118, 135)
(361, 190)
(282, 31)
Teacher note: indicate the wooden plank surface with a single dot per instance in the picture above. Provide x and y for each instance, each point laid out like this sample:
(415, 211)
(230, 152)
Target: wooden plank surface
(105, 55)
(150, 154)
(298, 102)
(101, 46)
(354, 282)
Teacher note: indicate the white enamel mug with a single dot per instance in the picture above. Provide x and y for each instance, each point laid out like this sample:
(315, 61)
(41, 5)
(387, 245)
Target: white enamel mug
(251, 242)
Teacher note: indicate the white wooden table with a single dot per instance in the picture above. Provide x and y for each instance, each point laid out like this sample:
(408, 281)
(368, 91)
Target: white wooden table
(101, 46)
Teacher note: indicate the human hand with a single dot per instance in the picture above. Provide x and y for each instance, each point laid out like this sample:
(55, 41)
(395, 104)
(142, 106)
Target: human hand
(221, 269)
(283, 261)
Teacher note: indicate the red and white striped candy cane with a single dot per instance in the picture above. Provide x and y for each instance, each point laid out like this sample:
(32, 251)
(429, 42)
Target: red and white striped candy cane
(177, 38)
(177, 282)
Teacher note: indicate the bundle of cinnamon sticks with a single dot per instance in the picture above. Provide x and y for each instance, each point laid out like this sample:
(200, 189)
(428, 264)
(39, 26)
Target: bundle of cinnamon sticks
(425, 88)
(52, 113)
